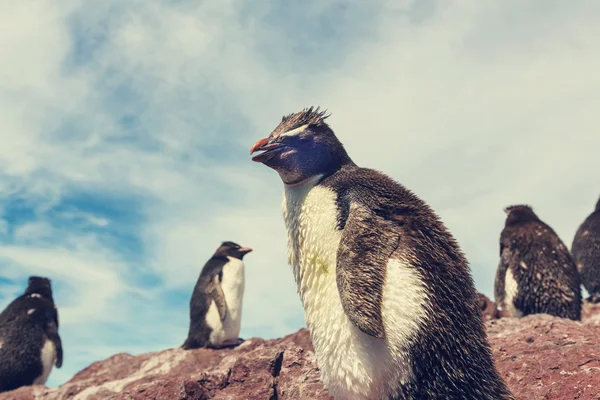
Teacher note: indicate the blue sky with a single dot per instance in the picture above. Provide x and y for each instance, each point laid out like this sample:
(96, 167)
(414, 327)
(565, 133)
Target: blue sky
(126, 127)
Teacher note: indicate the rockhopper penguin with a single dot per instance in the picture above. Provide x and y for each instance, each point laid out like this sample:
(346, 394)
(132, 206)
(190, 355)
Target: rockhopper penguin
(216, 304)
(536, 273)
(387, 293)
(29, 341)
(586, 253)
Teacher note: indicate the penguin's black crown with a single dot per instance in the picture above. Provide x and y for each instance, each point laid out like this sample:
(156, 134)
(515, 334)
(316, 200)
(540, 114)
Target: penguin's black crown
(519, 213)
(308, 116)
(302, 146)
(39, 285)
(517, 207)
(232, 249)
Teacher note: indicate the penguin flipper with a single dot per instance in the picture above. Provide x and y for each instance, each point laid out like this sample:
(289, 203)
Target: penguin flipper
(52, 334)
(368, 241)
(59, 351)
(499, 284)
(219, 297)
(501, 274)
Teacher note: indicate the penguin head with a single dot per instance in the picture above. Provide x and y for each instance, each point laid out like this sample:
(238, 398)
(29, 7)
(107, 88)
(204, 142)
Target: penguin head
(520, 213)
(301, 146)
(231, 249)
(39, 285)
(598, 205)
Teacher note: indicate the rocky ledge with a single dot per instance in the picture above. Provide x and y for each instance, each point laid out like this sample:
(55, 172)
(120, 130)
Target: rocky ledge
(539, 356)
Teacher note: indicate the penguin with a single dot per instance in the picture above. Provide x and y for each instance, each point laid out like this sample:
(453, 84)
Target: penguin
(536, 273)
(387, 293)
(216, 303)
(586, 253)
(29, 341)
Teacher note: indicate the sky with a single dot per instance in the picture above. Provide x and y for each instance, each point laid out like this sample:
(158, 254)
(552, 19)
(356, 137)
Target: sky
(126, 128)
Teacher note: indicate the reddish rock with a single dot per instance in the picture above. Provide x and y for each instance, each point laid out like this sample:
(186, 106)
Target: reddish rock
(488, 308)
(258, 369)
(545, 357)
(539, 356)
(590, 312)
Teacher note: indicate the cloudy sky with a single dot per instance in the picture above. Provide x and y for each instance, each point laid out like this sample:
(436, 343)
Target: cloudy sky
(126, 125)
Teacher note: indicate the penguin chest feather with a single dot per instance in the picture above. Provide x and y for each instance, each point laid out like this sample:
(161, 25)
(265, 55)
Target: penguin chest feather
(48, 358)
(233, 284)
(353, 364)
(511, 288)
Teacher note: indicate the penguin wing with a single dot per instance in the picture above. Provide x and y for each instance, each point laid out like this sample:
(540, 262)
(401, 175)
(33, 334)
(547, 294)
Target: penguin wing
(367, 243)
(52, 334)
(505, 256)
(219, 297)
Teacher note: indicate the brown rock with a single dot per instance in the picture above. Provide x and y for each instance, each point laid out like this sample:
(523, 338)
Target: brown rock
(488, 308)
(545, 357)
(590, 312)
(539, 356)
(258, 369)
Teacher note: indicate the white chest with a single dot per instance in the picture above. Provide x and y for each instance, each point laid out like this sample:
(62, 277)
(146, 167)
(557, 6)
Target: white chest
(313, 239)
(233, 284)
(353, 365)
(48, 356)
(511, 289)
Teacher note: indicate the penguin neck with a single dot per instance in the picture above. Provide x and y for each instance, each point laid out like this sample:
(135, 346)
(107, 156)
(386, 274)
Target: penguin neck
(39, 293)
(233, 274)
(303, 186)
(39, 289)
(310, 215)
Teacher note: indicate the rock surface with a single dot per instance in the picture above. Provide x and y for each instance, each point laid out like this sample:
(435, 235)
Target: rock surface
(544, 357)
(258, 369)
(539, 356)
(488, 308)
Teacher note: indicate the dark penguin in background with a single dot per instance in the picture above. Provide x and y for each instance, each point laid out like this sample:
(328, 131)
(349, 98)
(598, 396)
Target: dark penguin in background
(216, 304)
(29, 340)
(387, 293)
(536, 273)
(586, 253)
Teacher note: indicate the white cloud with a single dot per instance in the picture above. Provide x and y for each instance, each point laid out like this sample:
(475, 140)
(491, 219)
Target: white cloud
(92, 283)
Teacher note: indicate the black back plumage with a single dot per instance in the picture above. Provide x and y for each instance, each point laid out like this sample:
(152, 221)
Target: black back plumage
(541, 264)
(199, 332)
(586, 253)
(451, 356)
(25, 324)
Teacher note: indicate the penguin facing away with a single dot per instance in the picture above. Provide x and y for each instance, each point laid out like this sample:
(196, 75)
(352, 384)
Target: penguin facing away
(29, 341)
(387, 292)
(536, 273)
(586, 253)
(216, 303)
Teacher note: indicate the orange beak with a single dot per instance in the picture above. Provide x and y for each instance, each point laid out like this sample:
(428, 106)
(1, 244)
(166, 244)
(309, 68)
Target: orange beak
(263, 144)
(258, 145)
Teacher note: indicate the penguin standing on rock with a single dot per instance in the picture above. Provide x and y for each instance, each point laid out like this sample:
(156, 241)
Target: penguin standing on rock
(536, 273)
(387, 293)
(586, 253)
(29, 342)
(216, 304)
